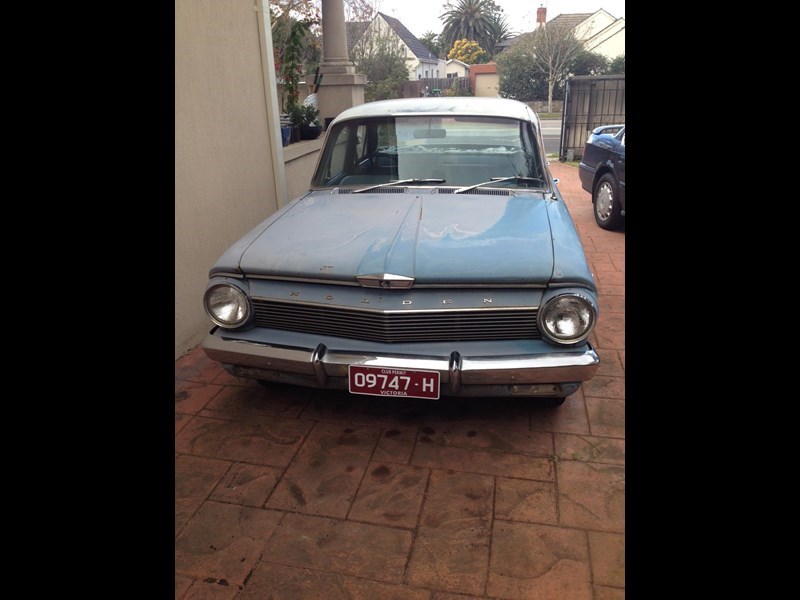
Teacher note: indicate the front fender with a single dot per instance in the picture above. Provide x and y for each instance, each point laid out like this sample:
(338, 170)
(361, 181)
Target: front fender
(607, 167)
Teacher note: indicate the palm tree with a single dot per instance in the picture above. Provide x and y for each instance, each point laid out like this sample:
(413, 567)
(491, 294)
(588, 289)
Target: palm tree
(477, 20)
(501, 31)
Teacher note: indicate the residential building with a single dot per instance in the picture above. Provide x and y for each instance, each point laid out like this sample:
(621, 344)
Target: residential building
(456, 68)
(421, 62)
(600, 31)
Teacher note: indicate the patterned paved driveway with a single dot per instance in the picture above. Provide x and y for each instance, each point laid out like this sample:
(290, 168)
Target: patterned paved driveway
(293, 494)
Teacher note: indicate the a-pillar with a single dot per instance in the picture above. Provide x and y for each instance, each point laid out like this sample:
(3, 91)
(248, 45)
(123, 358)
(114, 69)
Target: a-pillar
(341, 87)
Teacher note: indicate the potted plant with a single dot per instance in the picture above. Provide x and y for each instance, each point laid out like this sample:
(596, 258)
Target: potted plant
(294, 112)
(306, 118)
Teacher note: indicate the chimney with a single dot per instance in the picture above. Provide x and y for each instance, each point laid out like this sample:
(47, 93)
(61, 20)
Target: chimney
(541, 16)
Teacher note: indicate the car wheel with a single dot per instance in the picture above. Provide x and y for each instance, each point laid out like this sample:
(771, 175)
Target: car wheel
(607, 211)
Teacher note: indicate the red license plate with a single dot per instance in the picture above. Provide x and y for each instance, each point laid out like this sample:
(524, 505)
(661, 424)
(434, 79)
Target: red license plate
(379, 381)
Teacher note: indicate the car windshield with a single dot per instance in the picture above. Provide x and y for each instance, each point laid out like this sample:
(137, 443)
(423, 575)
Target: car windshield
(452, 151)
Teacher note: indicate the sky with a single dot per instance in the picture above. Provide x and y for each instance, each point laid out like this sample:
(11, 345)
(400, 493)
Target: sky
(421, 16)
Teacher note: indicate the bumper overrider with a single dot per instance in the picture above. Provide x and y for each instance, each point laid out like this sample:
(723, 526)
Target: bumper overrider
(538, 369)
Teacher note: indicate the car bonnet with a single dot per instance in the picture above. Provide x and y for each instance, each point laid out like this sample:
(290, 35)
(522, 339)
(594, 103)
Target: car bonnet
(434, 238)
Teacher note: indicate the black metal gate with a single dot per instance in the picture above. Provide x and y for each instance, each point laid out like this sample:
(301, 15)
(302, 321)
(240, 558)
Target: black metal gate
(590, 101)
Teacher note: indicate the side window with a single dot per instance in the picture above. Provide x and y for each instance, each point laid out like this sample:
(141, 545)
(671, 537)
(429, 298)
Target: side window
(340, 153)
(336, 165)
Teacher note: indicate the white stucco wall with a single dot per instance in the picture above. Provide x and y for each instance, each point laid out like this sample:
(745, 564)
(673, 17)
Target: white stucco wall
(223, 159)
(427, 69)
(610, 42)
(301, 160)
(456, 68)
(597, 22)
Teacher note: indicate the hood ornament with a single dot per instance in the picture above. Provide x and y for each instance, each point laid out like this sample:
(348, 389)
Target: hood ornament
(385, 280)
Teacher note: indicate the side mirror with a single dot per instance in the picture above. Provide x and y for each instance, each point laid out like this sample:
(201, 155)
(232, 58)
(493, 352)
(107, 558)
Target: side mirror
(556, 180)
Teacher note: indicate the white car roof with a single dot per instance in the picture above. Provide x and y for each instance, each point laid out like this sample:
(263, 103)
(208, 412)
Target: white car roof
(457, 105)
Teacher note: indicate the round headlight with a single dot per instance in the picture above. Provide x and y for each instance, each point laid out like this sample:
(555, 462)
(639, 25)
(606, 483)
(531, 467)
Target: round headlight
(568, 319)
(227, 305)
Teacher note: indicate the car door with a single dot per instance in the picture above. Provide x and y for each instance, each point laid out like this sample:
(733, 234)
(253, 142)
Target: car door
(621, 167)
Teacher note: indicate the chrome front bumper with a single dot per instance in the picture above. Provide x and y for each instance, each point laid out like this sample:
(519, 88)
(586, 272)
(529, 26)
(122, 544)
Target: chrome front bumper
(556, 373)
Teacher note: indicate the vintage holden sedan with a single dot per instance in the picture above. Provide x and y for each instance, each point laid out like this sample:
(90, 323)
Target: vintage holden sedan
(433, 255)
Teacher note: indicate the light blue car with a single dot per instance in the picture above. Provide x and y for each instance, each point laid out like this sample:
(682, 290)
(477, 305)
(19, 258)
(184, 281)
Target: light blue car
(432, 256)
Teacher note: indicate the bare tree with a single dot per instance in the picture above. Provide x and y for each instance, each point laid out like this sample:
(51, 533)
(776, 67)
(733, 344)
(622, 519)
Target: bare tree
(359, 14)
(360, 10)
(283, 10)
(380, 56)
(377, 38)
(553, 48)
(311, 10)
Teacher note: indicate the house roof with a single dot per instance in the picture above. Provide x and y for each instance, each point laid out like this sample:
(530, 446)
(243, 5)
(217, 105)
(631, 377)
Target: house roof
(507, 43)
(409, 39)
(455, 60)
(571, 20)
(511, 41)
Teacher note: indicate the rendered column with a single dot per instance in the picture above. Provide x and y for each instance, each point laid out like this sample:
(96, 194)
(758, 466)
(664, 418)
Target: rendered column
(341, 87)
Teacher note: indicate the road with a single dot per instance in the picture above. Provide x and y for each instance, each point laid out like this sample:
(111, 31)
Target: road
(551, 133)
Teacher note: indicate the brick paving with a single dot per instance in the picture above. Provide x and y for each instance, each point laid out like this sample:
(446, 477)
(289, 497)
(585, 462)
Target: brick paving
(292, 494)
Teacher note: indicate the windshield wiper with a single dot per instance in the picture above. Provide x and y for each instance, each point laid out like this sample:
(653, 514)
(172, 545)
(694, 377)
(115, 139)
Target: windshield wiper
(399, 182)
(518, 178)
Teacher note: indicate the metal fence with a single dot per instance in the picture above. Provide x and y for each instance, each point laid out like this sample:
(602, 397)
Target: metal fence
(589, 102)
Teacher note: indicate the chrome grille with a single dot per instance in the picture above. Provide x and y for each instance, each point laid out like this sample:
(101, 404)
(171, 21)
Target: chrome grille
(470, 325)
